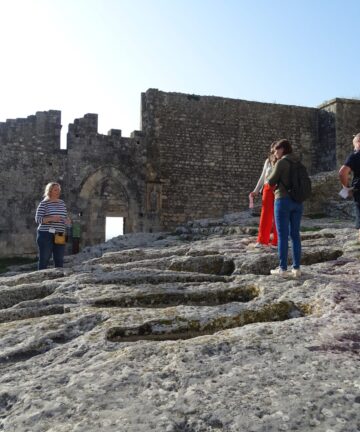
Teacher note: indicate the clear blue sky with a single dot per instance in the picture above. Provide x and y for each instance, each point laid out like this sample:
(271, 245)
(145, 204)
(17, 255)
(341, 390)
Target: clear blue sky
(87, 56)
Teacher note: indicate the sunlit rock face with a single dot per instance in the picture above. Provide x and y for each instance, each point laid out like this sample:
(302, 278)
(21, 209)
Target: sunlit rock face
(185, 332)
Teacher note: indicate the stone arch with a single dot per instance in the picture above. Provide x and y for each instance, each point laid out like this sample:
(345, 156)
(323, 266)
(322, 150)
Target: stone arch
(106, 192)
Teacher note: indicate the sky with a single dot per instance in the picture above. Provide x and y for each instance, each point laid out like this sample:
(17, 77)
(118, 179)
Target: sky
(97, 56)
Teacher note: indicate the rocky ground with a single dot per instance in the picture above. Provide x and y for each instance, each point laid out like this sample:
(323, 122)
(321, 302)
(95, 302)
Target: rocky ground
(185, 332)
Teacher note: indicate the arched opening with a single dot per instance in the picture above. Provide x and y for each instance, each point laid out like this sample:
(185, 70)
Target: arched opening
(105, 195)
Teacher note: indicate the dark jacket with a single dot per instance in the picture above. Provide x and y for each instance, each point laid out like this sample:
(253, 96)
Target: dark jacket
(280, 175)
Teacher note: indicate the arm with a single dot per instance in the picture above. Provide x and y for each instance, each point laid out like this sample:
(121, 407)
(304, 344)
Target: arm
(261, 180)
(40, 217)
(344, 173)
(40, 213)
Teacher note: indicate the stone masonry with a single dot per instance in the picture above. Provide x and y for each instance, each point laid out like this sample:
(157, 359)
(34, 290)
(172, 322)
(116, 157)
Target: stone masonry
(194, 157)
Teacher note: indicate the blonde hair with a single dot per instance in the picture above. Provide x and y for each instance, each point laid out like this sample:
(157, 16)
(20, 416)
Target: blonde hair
(356, 141)
(356, 137)
(48, 189)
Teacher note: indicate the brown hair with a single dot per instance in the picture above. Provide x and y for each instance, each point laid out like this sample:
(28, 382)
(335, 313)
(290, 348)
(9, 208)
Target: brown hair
(271, 155)
(284, 144)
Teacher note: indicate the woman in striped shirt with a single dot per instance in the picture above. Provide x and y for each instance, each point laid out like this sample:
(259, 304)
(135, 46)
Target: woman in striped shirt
(51, 215)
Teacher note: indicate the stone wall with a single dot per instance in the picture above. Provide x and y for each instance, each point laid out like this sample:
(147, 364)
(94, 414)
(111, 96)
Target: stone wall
(30, 157)
(105, 176)
(347, 115)
(100, 175)
(208, 152)
(195, 157)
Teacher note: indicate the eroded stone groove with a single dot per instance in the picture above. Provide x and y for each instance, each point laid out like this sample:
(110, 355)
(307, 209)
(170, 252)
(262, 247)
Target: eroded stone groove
(181, 328)
(209, 264)
(189, 298)
(141, 276)
(12, 296)
(51, 339)
(32, 278)
(24, 313)
(138, 255)
(319, 255)
(262, 263)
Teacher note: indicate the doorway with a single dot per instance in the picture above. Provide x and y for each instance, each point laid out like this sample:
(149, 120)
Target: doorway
(114, 226)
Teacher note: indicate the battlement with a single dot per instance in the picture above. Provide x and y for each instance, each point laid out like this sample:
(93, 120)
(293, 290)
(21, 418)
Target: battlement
(36, 132)
(87, 125)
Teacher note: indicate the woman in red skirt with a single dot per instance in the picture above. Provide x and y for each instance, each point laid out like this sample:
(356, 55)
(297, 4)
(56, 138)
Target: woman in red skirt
(267, 220)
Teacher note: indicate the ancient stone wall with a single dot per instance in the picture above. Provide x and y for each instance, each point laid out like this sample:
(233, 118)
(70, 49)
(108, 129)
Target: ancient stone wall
(347, 115)
(195, 157)
(30, 157)
(105, 177)
(100, 175)
(208, 152)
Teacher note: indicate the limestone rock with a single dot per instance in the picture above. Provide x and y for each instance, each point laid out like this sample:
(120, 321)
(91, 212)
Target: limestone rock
(164, 334)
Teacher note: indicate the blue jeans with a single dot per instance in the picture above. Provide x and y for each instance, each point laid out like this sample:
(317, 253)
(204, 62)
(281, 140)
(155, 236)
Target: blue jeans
(357, 215)
(46, 248)
(288, 217)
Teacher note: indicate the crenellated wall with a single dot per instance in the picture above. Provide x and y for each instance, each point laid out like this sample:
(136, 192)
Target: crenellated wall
(30, 156)
(194, 157)
(101, 175)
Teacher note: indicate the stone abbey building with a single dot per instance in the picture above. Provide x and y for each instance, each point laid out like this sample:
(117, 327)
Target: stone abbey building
(194, 157)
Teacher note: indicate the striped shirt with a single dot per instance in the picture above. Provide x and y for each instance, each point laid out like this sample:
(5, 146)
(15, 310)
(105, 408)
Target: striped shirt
(51, 208)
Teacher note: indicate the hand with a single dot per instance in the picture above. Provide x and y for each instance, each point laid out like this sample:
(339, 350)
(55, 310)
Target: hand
(68, 221)
(254, 194)
(52, 219)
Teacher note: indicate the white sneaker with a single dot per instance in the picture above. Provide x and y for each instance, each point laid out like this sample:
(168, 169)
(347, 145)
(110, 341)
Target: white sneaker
(260, 246)
(280, 272)
(296, 272)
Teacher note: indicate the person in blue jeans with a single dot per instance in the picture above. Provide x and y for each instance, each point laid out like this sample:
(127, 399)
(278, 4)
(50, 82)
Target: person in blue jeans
(352, 165)
(288, 212)
(51, 215)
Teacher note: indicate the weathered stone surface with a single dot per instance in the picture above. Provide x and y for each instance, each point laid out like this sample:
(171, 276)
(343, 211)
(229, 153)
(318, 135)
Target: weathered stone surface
(153, 335)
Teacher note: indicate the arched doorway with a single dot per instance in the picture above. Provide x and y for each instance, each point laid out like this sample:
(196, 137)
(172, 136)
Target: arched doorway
(105, 194)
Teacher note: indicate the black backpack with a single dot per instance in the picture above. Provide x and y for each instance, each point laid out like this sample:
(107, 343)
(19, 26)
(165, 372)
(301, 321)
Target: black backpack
(300, 184)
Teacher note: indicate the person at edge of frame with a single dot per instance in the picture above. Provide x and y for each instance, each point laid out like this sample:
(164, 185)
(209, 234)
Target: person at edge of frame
(352, 166)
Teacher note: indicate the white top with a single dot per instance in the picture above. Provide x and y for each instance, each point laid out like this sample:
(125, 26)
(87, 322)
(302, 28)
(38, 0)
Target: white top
(265, 173)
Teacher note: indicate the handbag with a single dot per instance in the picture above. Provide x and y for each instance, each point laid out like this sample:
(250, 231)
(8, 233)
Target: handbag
(59, 238)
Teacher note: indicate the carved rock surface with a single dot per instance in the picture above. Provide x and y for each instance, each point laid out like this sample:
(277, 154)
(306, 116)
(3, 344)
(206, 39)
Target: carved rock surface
(185, 332)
